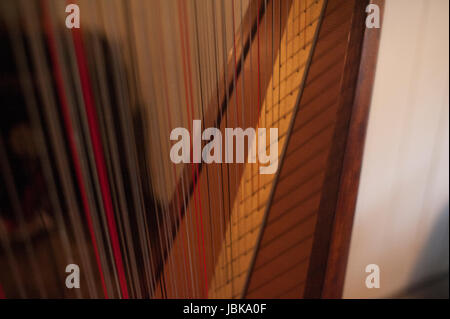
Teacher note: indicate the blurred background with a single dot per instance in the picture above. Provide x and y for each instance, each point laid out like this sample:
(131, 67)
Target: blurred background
(401, 219)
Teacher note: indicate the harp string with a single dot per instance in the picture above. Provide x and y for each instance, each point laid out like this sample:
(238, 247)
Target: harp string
(103, 103)
(282, 64)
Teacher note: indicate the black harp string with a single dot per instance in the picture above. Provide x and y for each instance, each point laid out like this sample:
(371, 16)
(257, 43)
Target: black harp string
(126, 125)
(210, 96)
(227, 100)
(266, 42)
(249, 85)
(87, 162)
(39, 141)
(147, 128)
(192, 211)
(160, 211)
(143, 233)
(189, 100)
(64, 47)
(90, 180)
(190, 226)
(195, 189)
(77, 99)
(84, 148)
(188, 220)
(236, 167)
(216, 81)
(199, 92)
(196, 194)
(81, 130)
(168, 220)
(214, 86)
(163, 244)
(279, 61)
(240, 210)
(91, 183)
(223, 167)
(273, 62)
(202, 99)
(221, 177)
(101, 115)
(164, 220)
(51, 116)
(243, 109)
(54, 247)
(260, 108)
(115, 179)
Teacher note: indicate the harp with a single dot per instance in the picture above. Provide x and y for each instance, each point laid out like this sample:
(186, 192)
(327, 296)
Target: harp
(102, 101)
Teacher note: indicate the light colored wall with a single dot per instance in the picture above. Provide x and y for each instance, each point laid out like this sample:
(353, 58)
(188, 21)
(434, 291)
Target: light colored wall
(401, 220)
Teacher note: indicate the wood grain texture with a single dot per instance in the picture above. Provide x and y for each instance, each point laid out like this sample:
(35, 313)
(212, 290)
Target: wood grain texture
(333, 233)
(287, 239)
(312, 206)
(349, 181)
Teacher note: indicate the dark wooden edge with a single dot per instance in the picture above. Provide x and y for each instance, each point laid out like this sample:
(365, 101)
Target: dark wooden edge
(351, 171)
(331, 245)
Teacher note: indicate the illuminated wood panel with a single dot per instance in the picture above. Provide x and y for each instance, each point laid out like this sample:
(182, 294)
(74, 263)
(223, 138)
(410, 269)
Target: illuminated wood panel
(290, 230)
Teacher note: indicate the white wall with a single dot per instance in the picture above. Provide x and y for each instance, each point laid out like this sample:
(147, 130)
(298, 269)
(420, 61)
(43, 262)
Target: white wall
(401, 220)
